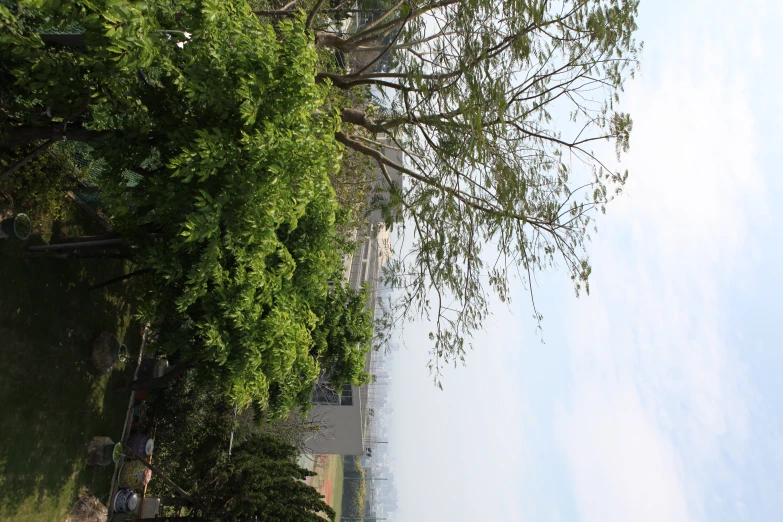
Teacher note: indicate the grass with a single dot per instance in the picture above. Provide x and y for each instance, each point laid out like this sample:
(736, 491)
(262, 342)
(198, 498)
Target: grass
(51, 402)
(337, 488)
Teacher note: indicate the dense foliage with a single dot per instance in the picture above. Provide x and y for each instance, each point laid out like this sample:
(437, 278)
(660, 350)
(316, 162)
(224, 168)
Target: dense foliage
(263, 480)
(494, 117)
(192, 425)
(342, 339)
(216, 118)
(40, 185)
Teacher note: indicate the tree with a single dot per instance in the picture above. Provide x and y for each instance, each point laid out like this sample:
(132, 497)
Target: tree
(496, 109)
(263, 482)
(354, 487)
(342, 339)
(260, 478)
(471, 95)
(193, 425)
(217, 118)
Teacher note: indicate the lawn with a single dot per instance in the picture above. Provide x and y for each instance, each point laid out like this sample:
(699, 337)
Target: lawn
(337, 487)
(51, 402)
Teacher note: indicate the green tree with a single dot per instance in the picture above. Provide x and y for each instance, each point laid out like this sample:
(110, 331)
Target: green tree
(354, 487)
(497, 110)
(342, 338)
(193, 426)
(218, 155)
(260, 478)
(263, 482)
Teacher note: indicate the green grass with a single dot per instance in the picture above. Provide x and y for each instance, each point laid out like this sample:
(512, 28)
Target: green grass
(51, 402)
(337, 489)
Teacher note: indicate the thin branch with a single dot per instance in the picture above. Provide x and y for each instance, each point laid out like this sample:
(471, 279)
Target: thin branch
(27, 159)
(313, 12)
(369, 27)
(381, 55)
(119, 279)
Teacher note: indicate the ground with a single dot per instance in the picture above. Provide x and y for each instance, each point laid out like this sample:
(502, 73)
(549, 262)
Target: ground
(329, 479)
(51, 401)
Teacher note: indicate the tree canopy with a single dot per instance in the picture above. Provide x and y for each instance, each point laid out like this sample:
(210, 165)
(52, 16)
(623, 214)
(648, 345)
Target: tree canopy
(354, 487)
(262, 481)
(343, 339)
(216, 118)
(498, 110)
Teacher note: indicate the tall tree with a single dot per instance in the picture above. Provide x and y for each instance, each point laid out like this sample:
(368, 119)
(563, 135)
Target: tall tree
(498, 110)
(342, 338)
(262, 481)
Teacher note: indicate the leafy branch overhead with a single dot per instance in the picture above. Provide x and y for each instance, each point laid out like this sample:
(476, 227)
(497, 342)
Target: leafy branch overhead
(497, 109)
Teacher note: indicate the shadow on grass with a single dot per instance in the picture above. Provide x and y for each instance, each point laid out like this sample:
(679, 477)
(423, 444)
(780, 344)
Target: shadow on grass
(51, 401)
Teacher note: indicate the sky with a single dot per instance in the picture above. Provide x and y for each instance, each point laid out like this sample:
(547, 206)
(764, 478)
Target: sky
(660, 396)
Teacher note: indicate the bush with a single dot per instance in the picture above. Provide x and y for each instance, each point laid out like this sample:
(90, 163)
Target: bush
(192, 423)
(39, 187)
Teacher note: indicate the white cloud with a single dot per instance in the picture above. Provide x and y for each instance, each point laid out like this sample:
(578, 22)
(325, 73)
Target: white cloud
(661, 402)
(624, 468)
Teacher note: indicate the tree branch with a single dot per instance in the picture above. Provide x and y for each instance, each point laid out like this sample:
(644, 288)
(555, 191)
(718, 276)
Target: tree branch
(27, 159)
(313, 12)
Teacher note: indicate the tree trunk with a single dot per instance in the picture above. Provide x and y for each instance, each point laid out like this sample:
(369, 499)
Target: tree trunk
(116, 242)
(360, 118)
(27, 159)
(75, 255)
(75, 132)
(79, 239)
(22, 135)
(119, 278)
(331, 41)
(155, 382)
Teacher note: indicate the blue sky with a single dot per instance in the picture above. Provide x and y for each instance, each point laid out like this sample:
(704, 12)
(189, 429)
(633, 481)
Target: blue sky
(659, 396)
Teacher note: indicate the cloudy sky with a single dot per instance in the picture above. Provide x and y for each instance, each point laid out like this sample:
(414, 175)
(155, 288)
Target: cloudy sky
(660, 396)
